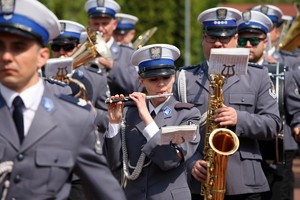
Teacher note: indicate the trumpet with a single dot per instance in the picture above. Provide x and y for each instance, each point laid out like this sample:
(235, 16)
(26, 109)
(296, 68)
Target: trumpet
(127, 98)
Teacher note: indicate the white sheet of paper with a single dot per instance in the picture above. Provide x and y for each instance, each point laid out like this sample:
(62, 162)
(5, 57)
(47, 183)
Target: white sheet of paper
(178, 134)
(55, 66)
(228, 61)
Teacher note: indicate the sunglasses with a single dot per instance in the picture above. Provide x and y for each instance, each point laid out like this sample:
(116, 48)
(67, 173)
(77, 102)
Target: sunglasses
(254, 41)
(213, 39)
(65, 47)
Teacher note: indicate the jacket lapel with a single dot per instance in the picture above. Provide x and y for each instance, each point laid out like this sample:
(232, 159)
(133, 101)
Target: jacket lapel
(7, 126)
(43, 121)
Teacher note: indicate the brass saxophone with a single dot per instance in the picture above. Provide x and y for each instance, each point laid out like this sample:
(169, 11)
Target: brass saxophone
(220, 142)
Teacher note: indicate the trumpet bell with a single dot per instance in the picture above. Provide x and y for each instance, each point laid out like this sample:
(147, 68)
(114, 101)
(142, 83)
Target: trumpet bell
(94, 47)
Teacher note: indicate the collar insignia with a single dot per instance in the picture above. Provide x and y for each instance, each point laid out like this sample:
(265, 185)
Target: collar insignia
(167, 111)
(47, 104)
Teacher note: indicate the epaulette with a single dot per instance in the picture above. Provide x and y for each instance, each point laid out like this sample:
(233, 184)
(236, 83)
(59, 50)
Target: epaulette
(188, 67)
(95, 69)
(126, 46)
(287, 53)
(55, 81)
(77, 101)
(182, 105)
(255, 65)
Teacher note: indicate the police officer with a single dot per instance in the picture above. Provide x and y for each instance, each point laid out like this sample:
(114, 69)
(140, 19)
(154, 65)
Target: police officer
(125, 31)
(280, 60)
(253, 30)
(250, 110)
(72, 36)
(44, 136)
(122, 76)
(152, 170)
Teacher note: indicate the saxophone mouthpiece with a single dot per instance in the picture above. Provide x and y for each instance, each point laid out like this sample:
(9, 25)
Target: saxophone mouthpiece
(127, 98)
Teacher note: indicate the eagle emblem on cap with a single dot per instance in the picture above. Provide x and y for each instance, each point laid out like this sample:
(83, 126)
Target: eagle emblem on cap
(246, 15)
(7, 6)
(155, 52)
(264, 9)
(100, 3)
(221, 13)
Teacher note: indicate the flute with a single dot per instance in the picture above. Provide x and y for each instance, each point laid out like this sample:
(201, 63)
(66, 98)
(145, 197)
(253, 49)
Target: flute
(125, 99)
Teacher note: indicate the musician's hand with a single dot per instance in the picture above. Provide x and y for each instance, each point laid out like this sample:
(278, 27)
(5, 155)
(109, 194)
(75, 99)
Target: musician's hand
(140, 101)
(115, 110)
(108, 64)
(296, 132)
(199, 170)
(226, 116)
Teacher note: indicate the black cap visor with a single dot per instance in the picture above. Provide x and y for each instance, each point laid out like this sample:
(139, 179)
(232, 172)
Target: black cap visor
(101, 14)
(161, 71)
(64, 40)
(251, 30)
(220, 31)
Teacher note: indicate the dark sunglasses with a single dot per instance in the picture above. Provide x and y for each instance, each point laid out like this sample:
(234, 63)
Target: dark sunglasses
(213, 39)
(254, 41)
(65, 47)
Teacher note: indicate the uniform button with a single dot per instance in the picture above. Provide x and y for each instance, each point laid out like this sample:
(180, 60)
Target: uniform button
(17, 179)
(242, 100)
(20, 157)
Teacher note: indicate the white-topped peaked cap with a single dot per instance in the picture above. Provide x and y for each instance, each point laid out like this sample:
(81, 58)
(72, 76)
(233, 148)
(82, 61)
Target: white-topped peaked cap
(254, 21)
(126, 22)
(102, 8)
(70, 31)
(273, 12)
(28, 18)
(155, 60)
(220, 21)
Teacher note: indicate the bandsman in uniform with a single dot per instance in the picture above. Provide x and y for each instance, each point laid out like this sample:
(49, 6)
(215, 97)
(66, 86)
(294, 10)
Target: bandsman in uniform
(44, 137)
(125, 31)
(71, 37)
(250, 110)
(122, 75)
(152, 170)
(283, 62)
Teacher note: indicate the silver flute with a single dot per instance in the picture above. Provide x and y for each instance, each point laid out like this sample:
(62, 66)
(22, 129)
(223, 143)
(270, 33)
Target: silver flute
(127, 98)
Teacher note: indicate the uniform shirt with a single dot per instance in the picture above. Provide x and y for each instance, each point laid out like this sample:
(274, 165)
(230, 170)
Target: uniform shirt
(31, 104)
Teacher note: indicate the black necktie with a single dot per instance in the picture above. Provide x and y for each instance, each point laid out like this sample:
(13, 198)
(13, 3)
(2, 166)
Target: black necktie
(18, 116)
(153, 114)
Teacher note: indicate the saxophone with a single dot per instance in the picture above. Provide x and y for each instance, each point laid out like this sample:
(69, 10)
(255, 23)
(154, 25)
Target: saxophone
(220, 142)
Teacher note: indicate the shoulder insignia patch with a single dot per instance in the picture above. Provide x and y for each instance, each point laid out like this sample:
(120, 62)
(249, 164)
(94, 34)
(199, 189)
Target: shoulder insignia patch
(272, 92)
(77, 101)
(182, 105)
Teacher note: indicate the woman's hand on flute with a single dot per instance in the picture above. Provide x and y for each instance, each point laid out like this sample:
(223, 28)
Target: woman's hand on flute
(115, 110)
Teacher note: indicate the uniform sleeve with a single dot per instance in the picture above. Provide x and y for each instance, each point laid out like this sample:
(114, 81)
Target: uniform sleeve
(92, 168)
(264, 122)
(292, 96)
(166, 156)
